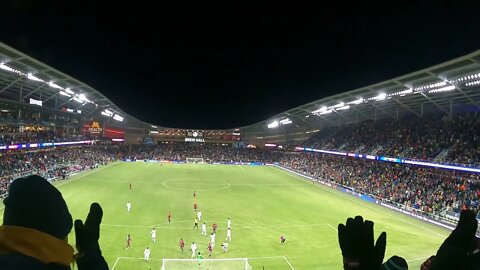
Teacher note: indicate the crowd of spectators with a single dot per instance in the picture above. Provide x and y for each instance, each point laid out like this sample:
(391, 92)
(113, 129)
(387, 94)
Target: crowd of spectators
(51, 163)
(427, 189)
(458, 137)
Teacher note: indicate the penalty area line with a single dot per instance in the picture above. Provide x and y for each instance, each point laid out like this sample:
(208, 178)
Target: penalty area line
(289, 264)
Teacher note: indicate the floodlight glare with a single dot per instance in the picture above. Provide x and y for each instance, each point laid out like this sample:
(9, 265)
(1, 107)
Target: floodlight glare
(381, 96)
(322, 109)
(34, 78)
(64, 94)
(69, 91)
(118, 117)
(273, 124)
(78, 100)
(52, 84)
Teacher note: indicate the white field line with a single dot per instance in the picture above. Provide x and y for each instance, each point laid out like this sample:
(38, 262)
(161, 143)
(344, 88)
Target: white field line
(365, 205)
(80, 176)
(253, 258)
(288, 263)
(130, 258)
(332, 227)
(87, 174)
(115, 264)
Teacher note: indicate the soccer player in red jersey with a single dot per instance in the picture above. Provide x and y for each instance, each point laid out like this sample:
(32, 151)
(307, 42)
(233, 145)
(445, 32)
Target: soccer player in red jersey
(169, 217)
(129, 242)
(195, 206)
(214, 227)
(181, 244)
(130, 186)
(210, 249)
(282, 239)
(194, 194)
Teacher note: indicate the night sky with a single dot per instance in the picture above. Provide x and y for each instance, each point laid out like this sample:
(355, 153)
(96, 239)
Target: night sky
(216, 66)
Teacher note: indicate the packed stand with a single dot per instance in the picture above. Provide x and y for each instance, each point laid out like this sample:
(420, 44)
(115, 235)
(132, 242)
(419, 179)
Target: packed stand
(410, 137)
(426, 189)
(52, 163)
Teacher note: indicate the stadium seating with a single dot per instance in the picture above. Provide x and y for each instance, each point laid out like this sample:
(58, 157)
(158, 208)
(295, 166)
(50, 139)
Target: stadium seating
(433, 137)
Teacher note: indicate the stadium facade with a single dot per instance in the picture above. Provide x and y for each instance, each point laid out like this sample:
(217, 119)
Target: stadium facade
(34, 95)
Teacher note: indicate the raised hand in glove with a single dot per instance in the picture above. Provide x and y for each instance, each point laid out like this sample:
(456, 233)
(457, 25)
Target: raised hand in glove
(89, 256)
(458, 250)
(357, 244)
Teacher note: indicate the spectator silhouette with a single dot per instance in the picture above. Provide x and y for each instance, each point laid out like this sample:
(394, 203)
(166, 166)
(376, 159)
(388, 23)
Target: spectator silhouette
(461, 249)
(357, 244)
(35, 229)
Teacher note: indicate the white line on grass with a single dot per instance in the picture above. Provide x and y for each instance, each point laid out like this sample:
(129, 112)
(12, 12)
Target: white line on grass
(288, 263)
(131, 258)
(365, 205)
(332, 227)
(115, 264)
(80, 176)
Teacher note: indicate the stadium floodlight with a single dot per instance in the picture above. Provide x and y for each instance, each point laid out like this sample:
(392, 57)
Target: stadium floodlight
(357, 101)
(79, 111)
(108, 111)
(443, 89)
(84, 98)
(34, 78)
(153, 132)
(118, 118)
(105, 114)
(341, 104)
(322, 109)
(78, 100)
(344, 107)
(473, 83)
(381, 96)
(54, 85)
(69, 110)
(285, 121)
(68, 90)
(64, 94)
(273, 124)
(326, 112)
(9, 69)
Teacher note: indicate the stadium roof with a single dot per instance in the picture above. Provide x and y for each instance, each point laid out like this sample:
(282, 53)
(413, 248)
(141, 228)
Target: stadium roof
(441, 88)
(23, 78)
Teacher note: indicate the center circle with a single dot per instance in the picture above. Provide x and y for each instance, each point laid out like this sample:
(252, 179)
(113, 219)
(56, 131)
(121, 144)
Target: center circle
(192, 183)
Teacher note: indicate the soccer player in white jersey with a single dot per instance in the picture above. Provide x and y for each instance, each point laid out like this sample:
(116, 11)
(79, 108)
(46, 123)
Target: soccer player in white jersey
(129, 206)
(225, 247)
(199, 215)
(229, 235)
(154, 235)
(193, 247)
(229, 223)
(204, 229)
(146, 254)
(212, 239)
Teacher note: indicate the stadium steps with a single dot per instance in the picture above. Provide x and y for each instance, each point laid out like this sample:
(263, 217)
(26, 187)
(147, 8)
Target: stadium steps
(377, 149)
(360, 148)
(442, 155)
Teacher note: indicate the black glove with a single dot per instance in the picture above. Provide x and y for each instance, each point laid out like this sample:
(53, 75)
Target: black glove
(357, 244)
(89, 256)
(457, 251)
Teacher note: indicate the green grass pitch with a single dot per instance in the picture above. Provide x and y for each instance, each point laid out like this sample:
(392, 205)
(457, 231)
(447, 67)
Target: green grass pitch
(262, 202)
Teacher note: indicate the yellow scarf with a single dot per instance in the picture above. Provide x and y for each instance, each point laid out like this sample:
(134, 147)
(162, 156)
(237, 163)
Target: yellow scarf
(33, 243)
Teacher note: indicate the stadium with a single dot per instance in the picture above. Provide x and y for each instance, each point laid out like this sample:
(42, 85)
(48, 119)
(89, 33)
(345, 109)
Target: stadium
(404, 153)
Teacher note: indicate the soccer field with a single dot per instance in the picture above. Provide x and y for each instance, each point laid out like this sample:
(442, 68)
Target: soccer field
(263, 203)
